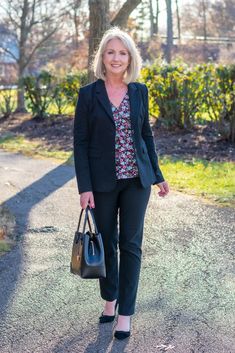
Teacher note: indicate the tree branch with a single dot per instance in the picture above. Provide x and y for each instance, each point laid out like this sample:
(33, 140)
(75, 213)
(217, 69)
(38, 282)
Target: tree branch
(120, 19)
(10, 16)
(38, 45)
(9, 52)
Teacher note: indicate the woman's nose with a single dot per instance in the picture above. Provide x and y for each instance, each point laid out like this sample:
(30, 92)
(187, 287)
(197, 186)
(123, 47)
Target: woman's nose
(115, 56)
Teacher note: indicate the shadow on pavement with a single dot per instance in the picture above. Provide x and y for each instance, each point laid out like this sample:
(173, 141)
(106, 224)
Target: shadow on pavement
(103, 342)
(20, 205)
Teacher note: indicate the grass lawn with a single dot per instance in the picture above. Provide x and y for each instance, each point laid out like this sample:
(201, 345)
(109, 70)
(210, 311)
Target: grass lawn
(211, 180)
(34, 149)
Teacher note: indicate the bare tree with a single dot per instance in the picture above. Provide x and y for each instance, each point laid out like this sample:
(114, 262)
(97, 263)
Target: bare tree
(169, 44)
(222, 13)
(209, 18)
(156, 27)
(75, 14)
(32, 23)
(154, 18)
(151, 18)
(204, 9)
(178, 19)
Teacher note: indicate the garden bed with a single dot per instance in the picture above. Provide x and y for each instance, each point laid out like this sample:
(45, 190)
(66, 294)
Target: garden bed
(56, 133)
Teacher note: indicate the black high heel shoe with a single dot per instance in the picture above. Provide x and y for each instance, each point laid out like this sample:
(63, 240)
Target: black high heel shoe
(103, 319)
(121, 335)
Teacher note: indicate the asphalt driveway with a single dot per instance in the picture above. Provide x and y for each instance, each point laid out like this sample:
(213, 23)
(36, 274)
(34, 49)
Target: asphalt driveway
(186, 300)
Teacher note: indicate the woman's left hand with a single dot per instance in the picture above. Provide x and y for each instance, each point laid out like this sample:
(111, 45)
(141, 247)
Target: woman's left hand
(164, 188)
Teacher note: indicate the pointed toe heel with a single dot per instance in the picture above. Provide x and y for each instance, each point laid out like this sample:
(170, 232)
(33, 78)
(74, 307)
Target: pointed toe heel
(121, 335)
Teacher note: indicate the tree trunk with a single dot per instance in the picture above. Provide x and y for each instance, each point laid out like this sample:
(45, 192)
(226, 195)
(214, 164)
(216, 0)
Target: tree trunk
(151, 18)
(20, 92)
(123, 14)
(157, 18)
(76, 20)
(204, 20)
(204, 30)
(20, 101)
(21, 62)
(178, 20)
(99, 23)
(169, 44)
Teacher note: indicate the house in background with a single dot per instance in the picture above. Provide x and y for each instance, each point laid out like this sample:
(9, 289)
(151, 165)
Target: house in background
(8, 64)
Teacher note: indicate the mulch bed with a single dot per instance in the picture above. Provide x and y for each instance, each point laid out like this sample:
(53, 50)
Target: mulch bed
(56, 132)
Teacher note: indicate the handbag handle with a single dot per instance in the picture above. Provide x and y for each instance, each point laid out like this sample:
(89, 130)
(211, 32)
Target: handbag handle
(88, 209)
(87, 219)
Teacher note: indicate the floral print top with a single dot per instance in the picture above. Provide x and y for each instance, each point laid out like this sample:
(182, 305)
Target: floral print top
(126, 165)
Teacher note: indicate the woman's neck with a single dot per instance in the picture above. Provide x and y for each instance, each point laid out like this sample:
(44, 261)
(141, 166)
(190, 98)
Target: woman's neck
(114, 82)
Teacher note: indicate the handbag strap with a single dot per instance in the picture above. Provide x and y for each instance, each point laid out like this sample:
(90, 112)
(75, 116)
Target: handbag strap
(88, 209)
(84, 223)
(87, 219)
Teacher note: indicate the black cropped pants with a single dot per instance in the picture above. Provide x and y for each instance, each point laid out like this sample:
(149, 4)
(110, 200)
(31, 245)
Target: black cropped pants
(128, 201)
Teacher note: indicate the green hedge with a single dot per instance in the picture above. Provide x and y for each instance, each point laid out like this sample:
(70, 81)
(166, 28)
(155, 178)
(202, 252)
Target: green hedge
(180, 95)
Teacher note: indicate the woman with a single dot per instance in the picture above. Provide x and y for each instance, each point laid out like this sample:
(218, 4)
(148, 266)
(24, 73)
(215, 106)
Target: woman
(116, 164)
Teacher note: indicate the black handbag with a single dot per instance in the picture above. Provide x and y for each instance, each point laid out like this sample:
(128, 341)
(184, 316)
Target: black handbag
(88, 259)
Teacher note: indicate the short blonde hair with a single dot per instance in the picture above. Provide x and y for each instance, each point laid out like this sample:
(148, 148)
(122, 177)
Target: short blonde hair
(134, 67)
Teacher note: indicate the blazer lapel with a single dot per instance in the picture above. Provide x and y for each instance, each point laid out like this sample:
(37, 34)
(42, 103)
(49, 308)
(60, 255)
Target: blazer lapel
(102, 96)
(134, 97)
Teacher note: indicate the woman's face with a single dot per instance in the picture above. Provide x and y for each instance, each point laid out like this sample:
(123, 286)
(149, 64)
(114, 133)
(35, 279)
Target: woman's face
(116, 58)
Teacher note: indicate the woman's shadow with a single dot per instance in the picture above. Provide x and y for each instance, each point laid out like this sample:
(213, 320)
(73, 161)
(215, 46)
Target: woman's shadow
(20, 205)
(11, 264)
(103, 343)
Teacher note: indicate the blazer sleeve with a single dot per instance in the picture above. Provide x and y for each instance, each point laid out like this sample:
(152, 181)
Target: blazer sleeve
(148, 138)
(80, 144)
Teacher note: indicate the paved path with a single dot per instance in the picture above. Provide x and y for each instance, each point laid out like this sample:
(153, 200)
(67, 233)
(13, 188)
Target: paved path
(186, 296)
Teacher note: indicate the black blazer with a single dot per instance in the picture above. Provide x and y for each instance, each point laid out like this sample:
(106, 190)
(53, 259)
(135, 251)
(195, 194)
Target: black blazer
(94, 138)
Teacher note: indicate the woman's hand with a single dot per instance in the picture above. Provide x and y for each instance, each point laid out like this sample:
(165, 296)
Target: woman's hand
(164, 188)
(87, 199)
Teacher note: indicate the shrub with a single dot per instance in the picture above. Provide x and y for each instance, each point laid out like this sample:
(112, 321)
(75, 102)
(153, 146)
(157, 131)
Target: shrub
(71, 85)
(179, 94)
(7, 101)
(39, 91)
(174, 94)
(47, 90)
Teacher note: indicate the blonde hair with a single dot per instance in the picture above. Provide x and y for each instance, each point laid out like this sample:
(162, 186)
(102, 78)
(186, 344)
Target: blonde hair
(134, 67)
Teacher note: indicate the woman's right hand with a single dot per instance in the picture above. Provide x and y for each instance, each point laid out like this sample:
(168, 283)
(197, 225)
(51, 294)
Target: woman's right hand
(87, 199)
